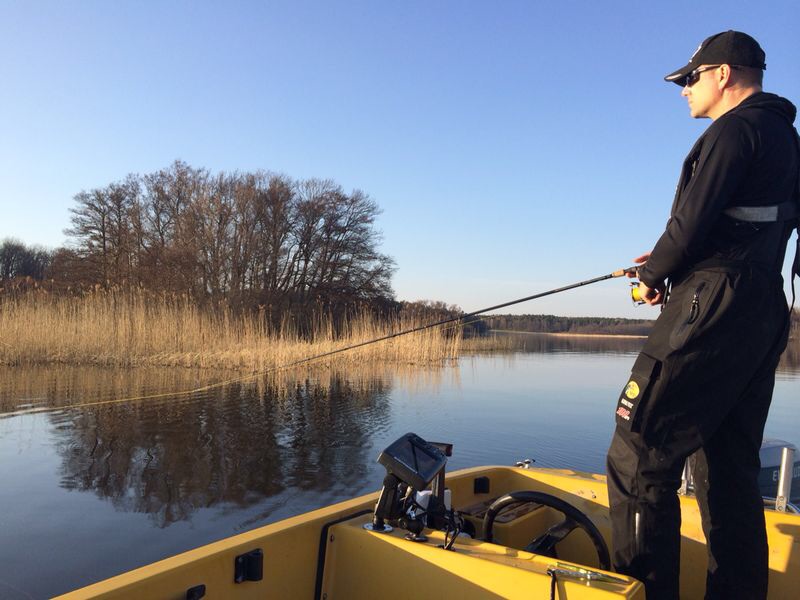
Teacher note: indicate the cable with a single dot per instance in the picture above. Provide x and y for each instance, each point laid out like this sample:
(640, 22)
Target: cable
(454, 526)
(553, 583)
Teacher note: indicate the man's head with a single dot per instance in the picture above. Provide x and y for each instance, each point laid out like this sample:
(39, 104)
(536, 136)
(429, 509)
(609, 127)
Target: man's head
(723, 71)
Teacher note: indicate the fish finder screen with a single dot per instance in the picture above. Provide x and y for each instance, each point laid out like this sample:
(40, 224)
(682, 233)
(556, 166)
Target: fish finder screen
(413, 460)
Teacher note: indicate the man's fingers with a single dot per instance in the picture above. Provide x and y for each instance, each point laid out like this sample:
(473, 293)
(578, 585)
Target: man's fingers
(655, 299)
(639, 260)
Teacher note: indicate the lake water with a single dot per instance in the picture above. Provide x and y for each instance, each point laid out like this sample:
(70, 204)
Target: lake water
(86, 493)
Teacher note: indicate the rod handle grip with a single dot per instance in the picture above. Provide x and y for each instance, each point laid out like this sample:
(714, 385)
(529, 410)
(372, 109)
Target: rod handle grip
(624, 271)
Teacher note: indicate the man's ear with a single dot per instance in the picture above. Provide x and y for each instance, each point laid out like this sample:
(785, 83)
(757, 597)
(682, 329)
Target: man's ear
(724, 76)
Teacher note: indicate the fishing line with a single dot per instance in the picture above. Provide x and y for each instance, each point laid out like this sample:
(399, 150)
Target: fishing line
(458, 320)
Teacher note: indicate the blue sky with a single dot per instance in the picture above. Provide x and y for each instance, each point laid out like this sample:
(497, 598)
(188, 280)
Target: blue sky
(513, 146)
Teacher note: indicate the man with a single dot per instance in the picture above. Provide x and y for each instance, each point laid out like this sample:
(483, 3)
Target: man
(703, 382)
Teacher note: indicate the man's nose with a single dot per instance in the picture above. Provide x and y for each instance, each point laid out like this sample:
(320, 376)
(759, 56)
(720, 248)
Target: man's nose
(686, 90)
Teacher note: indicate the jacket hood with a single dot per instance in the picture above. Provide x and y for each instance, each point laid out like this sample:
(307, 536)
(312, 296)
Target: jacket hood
(771, 102)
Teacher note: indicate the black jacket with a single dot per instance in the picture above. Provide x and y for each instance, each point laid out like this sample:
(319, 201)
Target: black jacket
(747, 157)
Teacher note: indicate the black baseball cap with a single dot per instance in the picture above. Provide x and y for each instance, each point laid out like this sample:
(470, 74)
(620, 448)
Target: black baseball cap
(725, 48)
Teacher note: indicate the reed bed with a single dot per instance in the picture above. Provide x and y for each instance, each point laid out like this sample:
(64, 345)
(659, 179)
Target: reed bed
(136, 328)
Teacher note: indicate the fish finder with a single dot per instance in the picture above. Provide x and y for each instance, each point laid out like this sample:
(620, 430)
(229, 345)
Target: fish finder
(413, 461)
(411, 464)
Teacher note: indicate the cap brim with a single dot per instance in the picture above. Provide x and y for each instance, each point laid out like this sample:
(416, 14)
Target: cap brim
(679, 77)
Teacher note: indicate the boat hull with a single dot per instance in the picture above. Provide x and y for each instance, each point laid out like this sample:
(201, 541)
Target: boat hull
(328, 554)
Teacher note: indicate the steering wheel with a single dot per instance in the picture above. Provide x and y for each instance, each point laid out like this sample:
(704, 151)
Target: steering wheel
(545, 543)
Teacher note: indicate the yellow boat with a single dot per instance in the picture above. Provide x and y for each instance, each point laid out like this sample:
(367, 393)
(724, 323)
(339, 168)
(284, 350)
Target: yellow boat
(382, 545)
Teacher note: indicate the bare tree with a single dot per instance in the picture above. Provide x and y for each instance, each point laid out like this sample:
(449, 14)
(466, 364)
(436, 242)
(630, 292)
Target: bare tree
(18, 260)
(247, 238)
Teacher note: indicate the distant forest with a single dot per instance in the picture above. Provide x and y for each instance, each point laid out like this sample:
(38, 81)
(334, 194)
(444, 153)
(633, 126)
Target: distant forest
(556, 324)
(591, 325)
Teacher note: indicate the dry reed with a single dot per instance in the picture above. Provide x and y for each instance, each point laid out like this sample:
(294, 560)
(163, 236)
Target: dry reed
(136, 328)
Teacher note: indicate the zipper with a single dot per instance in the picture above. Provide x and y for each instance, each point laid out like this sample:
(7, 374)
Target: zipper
(694, 309)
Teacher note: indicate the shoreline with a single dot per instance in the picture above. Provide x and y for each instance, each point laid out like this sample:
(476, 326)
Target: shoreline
(563, 334)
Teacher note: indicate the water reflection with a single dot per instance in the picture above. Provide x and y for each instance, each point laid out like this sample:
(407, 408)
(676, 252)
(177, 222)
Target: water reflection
(230, 447)
(62, 385)
(233, 447)
(548, 343)
(790, 361)
(172, 473)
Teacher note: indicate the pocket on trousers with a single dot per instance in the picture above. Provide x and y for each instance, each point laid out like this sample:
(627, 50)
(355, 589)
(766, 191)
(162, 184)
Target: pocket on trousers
(645, 371)
(699, 308)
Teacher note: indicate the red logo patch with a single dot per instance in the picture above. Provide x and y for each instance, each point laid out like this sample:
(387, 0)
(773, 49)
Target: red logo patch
(624, 413)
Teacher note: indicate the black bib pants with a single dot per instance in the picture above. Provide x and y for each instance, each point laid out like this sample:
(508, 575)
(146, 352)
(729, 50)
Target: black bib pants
(703, 382)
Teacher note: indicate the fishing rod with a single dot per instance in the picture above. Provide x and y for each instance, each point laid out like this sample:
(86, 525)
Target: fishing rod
(629, 271)
(619, 273)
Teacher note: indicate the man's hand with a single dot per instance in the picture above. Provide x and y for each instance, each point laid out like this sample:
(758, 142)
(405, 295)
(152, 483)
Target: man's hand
(639, 261)
(651, 296)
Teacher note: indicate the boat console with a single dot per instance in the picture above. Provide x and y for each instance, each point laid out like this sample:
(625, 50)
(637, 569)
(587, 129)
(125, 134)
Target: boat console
(412, 464)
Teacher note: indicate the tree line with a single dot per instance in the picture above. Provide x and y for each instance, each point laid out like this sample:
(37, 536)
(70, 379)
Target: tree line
(249, 239)
(19, 262)
(556, 324)
(595, 325)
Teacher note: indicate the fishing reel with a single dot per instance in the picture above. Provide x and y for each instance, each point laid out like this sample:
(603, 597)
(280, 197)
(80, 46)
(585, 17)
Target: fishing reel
(636, 295)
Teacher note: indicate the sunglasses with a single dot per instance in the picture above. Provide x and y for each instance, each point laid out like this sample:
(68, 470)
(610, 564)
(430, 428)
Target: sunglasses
(694, 76)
